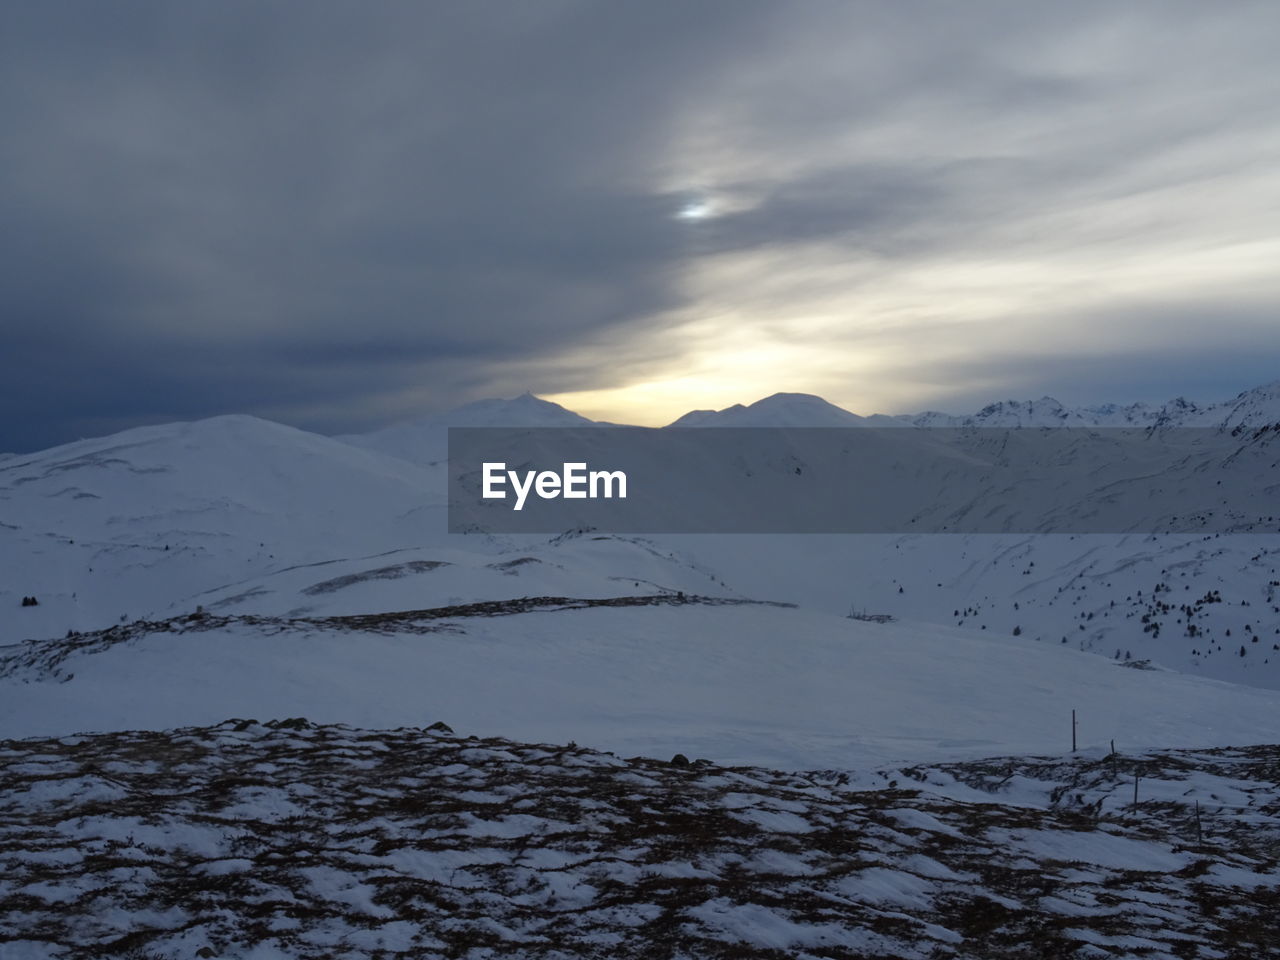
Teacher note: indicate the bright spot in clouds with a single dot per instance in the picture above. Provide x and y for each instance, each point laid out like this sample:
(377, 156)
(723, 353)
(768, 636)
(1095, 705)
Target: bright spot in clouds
(698, 209)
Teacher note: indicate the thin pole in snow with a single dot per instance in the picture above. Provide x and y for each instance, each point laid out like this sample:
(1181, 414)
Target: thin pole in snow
(1073, 731)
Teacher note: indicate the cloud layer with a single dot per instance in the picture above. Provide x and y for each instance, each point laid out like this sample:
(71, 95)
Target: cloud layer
(336, 215)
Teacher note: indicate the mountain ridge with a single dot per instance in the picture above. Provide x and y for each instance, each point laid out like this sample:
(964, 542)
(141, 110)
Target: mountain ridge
(1252, 407)
(234, 512)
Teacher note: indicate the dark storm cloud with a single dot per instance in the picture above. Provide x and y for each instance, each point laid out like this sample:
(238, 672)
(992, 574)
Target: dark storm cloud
(243, 206)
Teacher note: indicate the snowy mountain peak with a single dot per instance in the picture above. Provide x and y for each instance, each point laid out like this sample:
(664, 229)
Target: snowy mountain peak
(1270, 391)
(1252, 408)
(228, 432)
(1045, 412)
(424, 440)
(778, 410)
(525, 410)
(703, 418)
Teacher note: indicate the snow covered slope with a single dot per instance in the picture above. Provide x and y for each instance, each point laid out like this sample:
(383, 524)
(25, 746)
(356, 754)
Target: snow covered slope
(462, 570)
(243, 515)
(125, 525)
(1209, 605)
(424, 440)
(733, 683)
(1188, 603)
(240, 514)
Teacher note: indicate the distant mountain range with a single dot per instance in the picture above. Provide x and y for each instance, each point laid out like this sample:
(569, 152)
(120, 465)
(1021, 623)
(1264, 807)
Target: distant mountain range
(1250, 408)
(422, 440)
(1254, 407)
(249, 517)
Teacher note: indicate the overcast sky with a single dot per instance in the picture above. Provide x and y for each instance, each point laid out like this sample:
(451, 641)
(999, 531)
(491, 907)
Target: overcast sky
(339, 215)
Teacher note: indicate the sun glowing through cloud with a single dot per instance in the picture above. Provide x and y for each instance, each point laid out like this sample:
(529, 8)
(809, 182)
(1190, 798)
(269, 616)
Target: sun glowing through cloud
(697, 209)
(694, 210)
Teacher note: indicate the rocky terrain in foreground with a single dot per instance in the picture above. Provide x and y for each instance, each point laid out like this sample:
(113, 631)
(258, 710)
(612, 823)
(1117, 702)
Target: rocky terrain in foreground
(287, 839)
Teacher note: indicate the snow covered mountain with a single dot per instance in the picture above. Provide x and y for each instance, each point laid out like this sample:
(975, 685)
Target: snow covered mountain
(1208, 605)
(779, 410)
(1045, 412)
(120, 526)
(1250, 408)
(246, 516)
(931, 685)
(423, 440)
(249, 516)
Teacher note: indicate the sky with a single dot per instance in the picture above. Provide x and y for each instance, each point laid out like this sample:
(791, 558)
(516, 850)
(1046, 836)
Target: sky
(341, 215)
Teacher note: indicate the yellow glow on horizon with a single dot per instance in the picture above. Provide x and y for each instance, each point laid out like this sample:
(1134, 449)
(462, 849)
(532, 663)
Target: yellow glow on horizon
(743, 374)
(652, 404)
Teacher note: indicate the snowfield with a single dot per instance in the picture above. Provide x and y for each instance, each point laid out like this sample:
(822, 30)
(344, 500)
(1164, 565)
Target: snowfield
(734, 683)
